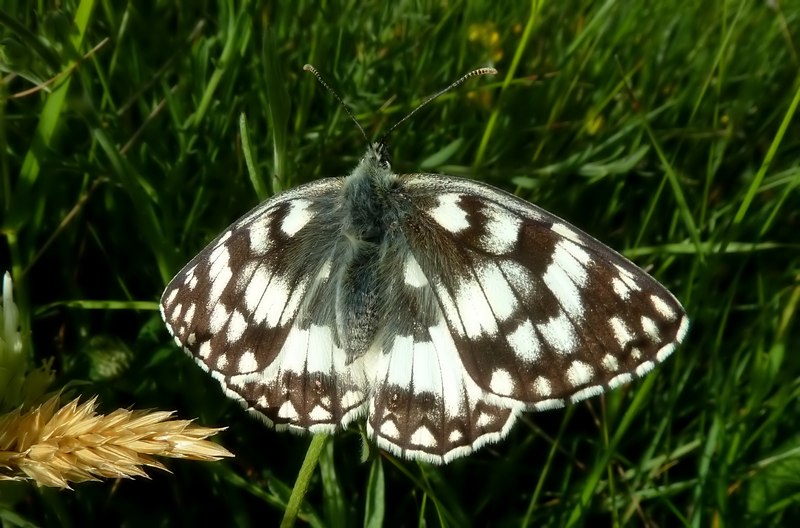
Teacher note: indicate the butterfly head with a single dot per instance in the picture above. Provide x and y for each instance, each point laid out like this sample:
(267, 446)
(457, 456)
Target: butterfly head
(378, 155)
(373, 172)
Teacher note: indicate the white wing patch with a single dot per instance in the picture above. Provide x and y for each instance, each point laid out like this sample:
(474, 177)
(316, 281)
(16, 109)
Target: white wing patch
(449, 215)
(501, 298)
(525, 342)
(474, 310)
(501, 230)
(298, 217)
(413, 273)
(559, 333)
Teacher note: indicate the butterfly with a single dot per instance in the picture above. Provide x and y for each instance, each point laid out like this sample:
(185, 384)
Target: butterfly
(437, 308)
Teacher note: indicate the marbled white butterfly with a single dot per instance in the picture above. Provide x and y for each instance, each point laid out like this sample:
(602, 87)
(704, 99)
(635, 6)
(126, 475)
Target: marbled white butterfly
(439, 308)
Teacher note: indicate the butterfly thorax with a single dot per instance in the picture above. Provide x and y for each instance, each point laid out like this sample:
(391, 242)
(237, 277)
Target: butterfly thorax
(368, 198)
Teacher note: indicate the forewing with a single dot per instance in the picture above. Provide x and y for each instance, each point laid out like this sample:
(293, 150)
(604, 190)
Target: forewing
(256, 309)
(540, 313)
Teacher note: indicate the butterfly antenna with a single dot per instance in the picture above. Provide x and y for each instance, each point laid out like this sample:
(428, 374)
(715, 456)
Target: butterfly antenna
(459, 82)
(323, 82)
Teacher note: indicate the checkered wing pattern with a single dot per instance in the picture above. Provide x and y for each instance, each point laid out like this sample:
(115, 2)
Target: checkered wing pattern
(522, 312)
(260, 316)
(438, 307)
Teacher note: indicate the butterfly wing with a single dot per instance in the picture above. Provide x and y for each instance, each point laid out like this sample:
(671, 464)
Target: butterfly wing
(254, 309)
(512, 309)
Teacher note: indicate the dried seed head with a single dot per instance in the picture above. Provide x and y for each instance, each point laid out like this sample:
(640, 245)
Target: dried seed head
(55, 445)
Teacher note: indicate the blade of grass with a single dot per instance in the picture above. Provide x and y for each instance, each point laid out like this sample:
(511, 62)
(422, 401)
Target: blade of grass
(303, 480)
(249, 157)
(672, 177)
(755, 184)
(278, 105)
(375, 507)
(533, 18)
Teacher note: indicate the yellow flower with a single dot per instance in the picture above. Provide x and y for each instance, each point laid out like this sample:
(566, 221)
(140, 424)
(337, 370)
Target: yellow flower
(487, 36)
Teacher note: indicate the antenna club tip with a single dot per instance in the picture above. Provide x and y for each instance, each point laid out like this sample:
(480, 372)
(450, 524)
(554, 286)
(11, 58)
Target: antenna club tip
(491, 71)
(309, 68)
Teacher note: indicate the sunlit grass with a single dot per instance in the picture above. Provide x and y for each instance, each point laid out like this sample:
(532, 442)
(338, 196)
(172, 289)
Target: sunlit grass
(665, 129)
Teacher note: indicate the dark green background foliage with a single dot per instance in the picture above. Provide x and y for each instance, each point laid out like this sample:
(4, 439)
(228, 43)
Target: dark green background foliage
(666, 129)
